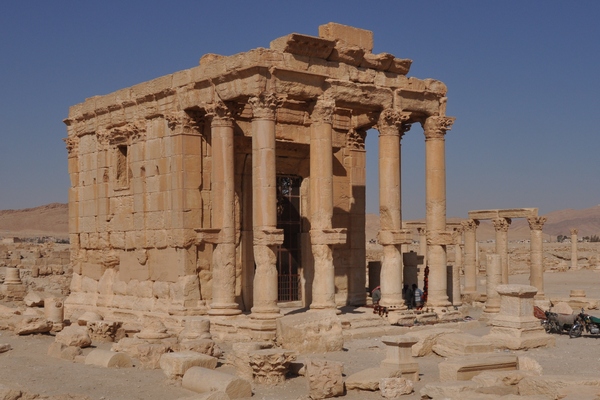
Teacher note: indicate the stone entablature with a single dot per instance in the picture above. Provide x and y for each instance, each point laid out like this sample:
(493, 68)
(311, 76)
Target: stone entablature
(166, 205)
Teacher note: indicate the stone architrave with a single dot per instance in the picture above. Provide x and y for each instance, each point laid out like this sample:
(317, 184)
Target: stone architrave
(399, 356)
(494, 278)
(536, 277)
(223, 193)
(501, 226)
(470, 232)
(515, 326)
(264, 206)
(574, 248)
(321, 205)
(435, 128)
(391, 131)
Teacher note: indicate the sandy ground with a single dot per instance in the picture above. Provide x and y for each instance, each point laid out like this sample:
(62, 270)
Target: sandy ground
(28, 368)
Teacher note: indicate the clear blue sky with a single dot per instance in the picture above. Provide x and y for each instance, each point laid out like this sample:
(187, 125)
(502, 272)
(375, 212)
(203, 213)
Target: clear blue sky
(523, 80)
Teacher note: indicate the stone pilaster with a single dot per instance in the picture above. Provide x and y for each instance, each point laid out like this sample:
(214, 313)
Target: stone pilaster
(223, 212)
(574, 247)
(470, 232)
(536, 276)
(501, 226)
(264, 207)
(390, 211)
(322, 236)
(435, 128)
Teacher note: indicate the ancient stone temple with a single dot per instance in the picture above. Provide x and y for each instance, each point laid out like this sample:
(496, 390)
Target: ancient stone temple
(239, 184)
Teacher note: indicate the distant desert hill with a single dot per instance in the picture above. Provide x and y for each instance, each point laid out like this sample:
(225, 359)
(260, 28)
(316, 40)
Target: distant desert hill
(586, 221)
(49, 220)
(52, 220)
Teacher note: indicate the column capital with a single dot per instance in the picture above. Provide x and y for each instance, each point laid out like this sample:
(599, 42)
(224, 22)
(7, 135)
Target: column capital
(72, 145)
(392, 123)
(470, 225)
(264, 105)
(323, 111)
(501, 224)
(536, 223)
(422, 231)
(219, 114)
(187, 121)
(574, 231)
(435, 127)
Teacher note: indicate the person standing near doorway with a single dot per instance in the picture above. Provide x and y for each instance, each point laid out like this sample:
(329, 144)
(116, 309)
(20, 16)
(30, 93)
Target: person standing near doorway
(418, 296)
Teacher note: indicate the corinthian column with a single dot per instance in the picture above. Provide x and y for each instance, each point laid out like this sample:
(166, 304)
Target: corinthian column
(438, 238)
(470, 229)
(391, 235)
(264, 207)
(574, 248)
(501, 226)
(322, 236)
(223, 212)
(536, 276)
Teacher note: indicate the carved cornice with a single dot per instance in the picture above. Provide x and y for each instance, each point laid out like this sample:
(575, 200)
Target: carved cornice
(323, 111)
(470, 225)
(536, 223)
(72, 144)
(126, 134)
(392, 122)
(501, 224)
(265, 105)
(435, 127)
(356, 139)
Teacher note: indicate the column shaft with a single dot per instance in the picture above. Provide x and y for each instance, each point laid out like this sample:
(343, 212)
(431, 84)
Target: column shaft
(574, 248)
(536, 275)
(494, 278)
(501, 226)
(470, 229)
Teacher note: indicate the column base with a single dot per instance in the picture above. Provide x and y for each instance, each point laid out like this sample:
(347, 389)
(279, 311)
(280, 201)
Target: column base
(224, 309)
(265, 313)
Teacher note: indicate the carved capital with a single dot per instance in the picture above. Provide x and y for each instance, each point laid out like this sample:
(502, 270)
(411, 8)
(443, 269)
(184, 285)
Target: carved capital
(422, 231)
(470, 225)
(501, 224)
(573, 231)
(186, 121)
(323, 111)
(72, 144)
(435, 127)
(264, 105)
(219, 114)
(536, 223)
(356, 139)
(392, 122)
(457, 235)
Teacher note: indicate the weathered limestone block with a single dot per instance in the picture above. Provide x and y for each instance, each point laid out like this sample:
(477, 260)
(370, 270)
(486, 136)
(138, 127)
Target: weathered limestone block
(311, 332)
(174, 365)
(551, 386)
(88, 316)
(460, 344)
(4, 347)
(147, 353)
(368, 379)
(529, 364)
(59, 350)
(28, 325)
(195, 328)
(501, 378)
(427, 338)
(208, 396)
(392, 388)
(33, 299)
(461, 369)
(204, 346)
(324, 378)
(108, 359)
(269, 366)
(74, 335)
(203, 380)
(448, 390)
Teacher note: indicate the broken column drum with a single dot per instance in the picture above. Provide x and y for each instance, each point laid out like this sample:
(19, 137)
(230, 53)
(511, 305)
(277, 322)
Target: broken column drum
(176, 201)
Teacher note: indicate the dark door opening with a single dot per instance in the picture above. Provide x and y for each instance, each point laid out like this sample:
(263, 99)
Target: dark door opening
(288, 254)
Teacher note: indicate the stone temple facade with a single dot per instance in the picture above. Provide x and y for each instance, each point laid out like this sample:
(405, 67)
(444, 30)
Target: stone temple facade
(239, 184)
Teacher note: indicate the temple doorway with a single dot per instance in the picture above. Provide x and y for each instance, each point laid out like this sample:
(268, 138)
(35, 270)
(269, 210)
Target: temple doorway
(288, 254)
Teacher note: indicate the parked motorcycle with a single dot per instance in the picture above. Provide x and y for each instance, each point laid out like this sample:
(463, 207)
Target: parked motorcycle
(586, 322)
(554, 322)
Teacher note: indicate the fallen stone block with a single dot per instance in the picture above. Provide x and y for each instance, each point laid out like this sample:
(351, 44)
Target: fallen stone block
(313, 332)
(108, 359)
(368, 379)
(174, 365)
(499, 378)
(147, 353)
(208, 396)
(529, 364)
(270, 366)
(460, 344)
(33, 299)
(448, 390)
(392, 388)
(324, 378)
(103, 331)
(552, 385)
(4, 347)
(426, 339)
(461, 369)
(28, 325)
(204, 346)
(70, 353)
(204, 380)
(74, 335)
